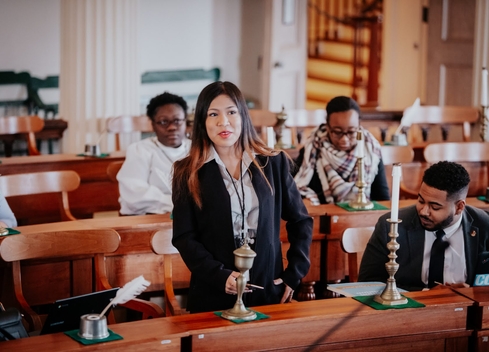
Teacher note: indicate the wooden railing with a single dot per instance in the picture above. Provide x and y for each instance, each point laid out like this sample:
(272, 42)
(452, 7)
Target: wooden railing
(359, 30)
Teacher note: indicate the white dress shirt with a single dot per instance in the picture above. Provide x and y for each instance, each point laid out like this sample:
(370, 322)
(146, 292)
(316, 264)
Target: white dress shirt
(251, 205)
(145, 177)
(454, 270)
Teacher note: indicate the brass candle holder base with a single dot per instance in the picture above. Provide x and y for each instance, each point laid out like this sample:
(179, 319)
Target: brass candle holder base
(391, 296)
(243, 259)
(361, 202)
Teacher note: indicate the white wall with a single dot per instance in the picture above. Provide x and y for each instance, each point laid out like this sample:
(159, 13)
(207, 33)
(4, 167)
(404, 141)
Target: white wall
(173, 35)
(29, 36)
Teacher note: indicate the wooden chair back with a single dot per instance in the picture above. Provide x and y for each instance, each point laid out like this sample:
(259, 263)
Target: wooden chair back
(23, 124)
(60, 182)
(474, 156)
(52, 246)
(302, 122)
(353, 242)
(397, 154)
(161, 244)
(127, 124)
(299, 121)
(261, 119)
(444, 116)
(400, 154)
(113, 169)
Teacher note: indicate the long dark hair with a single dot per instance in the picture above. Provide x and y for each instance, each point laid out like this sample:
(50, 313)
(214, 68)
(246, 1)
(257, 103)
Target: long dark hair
(185, 171)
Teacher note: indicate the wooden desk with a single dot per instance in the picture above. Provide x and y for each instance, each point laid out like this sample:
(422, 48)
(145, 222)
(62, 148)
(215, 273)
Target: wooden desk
(478, 316)
(144, 335)
(334, 220)
(336, 324)
(96, 191)
(133, 258)
(340, 324)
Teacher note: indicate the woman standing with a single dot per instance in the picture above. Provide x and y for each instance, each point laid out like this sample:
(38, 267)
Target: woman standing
(232, 187)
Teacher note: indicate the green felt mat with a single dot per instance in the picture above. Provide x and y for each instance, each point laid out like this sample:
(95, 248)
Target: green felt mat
(103, 155)
(11, 232)
(259, 316)
(377, 206)
(483, 198)
(74, 335)
(369, 301)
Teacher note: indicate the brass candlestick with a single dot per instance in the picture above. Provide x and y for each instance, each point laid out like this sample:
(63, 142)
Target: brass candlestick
(279, 130)
(361, 202)
(391, 296)
(484, 122)
(243, 259)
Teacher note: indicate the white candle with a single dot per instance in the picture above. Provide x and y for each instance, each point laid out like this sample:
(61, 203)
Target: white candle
(270, 137)
(360, 150)
(396, 180)
(484, 87)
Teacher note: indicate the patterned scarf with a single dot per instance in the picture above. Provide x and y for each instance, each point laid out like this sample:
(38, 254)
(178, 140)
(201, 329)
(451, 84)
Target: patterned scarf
(336, 168)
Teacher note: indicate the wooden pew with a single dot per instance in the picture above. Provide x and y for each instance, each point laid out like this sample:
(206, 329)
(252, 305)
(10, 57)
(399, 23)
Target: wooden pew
(134, 253)
(96, 192)
(337, 324)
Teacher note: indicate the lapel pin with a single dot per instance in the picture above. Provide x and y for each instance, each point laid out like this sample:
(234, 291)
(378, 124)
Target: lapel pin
(473, 233)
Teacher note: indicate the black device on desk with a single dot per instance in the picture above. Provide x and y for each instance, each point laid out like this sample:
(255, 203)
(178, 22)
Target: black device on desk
(64, 314)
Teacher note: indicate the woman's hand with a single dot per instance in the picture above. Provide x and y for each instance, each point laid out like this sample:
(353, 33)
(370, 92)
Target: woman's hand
(231, 283)
(288, 293)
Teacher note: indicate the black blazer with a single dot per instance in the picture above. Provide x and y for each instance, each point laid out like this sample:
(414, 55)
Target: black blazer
(475, 224)
(205, 240)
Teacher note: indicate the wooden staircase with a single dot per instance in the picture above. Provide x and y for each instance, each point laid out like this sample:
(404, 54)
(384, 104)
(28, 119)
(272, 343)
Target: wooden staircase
(344, 51)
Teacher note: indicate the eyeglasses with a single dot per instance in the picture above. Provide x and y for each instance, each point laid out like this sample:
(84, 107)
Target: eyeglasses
(167, 123)
(339, 133)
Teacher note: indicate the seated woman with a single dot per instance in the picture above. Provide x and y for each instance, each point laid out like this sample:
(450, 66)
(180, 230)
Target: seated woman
(145, 177)
(327, 163)
(7, 217)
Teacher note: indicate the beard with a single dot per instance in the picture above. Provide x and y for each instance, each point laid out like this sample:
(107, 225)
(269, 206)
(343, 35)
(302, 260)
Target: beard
(441, 225)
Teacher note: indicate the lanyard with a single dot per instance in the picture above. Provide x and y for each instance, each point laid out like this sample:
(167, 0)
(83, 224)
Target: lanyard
(241, 201)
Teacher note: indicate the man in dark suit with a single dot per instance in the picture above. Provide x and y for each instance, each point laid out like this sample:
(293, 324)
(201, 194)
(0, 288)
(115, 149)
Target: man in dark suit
(442, 240)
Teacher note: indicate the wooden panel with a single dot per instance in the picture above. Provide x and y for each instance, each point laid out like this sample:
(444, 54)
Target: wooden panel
(342, 321)
(456, 76)
(450, 44)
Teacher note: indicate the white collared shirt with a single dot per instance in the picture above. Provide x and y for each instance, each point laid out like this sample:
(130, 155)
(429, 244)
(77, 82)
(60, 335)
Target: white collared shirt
(454, 270)
(145, 177)
(251, 208)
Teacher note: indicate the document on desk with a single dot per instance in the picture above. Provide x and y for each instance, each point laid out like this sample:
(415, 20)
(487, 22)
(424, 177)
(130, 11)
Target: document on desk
(353, 289)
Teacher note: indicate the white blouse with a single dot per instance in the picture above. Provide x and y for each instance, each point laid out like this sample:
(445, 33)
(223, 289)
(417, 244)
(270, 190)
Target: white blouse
(251, 205)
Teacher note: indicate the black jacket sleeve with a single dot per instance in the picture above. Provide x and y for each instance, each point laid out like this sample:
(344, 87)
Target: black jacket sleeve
(380, 189)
